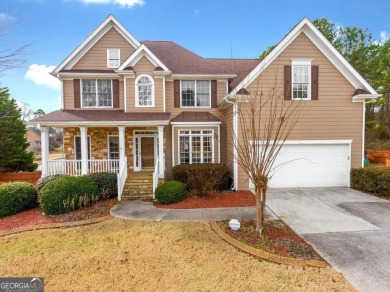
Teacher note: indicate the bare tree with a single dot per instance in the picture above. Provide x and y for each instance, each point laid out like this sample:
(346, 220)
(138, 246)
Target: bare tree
(10, 57)
(265, 121)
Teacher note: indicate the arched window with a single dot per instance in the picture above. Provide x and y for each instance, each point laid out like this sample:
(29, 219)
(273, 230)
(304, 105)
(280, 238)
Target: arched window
(144, 91)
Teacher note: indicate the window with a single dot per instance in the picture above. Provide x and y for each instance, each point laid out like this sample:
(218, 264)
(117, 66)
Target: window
(195, 93)
(96, 93)
(113, 58)
(301, 78)
(196, 146)
(113, 151)
(144, 91)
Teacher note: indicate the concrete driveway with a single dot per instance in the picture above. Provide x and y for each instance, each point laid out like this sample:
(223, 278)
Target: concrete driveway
(349, 229)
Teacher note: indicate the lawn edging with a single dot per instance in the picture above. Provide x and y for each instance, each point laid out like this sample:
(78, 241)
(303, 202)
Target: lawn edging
(263, 254)
(57, 225)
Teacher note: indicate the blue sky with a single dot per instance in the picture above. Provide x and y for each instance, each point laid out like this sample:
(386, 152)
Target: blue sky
(210, 28)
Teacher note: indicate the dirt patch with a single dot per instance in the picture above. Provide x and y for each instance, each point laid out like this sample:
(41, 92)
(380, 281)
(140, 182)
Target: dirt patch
(277, 238)
(233, 199)
(125, 255)
(36, 216)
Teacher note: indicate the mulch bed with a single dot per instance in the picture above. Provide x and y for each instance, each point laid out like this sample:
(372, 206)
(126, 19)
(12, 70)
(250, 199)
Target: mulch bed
(277, 238)
(233, 199)
(34, 217)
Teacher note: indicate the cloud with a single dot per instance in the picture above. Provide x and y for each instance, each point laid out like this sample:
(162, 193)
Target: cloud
(6, 17)
(384, 36)
(123, 3)
(39, 74)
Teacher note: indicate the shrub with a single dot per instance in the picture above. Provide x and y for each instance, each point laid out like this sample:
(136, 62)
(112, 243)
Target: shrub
(45, 179)
(202, 179)
(372, 179)
(107, 183)
(170, 192)
(16, 197)
(68, 193)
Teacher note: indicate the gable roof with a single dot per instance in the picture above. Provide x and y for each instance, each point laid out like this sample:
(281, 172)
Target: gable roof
(86, 45)
(308, 28)
(182, 61)
(240, 67)
(138, 54)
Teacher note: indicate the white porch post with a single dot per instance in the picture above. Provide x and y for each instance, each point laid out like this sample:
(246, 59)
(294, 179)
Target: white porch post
(44, 148)
(161, 151)
(84, 150)
(121, 146)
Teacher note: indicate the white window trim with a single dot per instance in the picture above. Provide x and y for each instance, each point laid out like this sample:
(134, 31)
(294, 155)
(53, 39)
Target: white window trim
(301, 62)
(108, 58)
(137, 92)
(108, 145)
(190, 143)
(195, 106)
(96, 97)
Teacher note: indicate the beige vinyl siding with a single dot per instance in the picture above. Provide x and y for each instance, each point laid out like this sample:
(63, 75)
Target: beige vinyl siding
(68, 92)
(96, 57)
(221, 90)
(144, 66)
(333, 117)
(227, 147)
(176, 140)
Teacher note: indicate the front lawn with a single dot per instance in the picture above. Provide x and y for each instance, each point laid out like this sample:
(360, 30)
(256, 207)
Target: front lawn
(122, 255)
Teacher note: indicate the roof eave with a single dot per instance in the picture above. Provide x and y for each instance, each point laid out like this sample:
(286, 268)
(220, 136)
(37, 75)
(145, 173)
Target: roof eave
(365, 97)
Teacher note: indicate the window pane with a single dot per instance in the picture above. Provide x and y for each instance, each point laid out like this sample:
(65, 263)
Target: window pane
(196, 149)
(188, 93)
(104, 93)
(207, 149)
(145, 97)
(89, 92)
(203, 93)
(184, 153)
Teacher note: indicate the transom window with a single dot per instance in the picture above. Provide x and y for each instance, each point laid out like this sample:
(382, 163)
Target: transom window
(196, 146)
(144, 91)
(113, 58)
(96, 93)
(301, 78)
(195, 93)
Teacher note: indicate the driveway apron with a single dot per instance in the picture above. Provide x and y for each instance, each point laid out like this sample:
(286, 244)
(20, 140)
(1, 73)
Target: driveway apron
(349, 229)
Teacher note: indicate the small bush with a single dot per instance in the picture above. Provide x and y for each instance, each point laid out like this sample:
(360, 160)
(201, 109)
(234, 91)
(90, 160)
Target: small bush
(45, 179)
(16, 197)
(68, 193)
(202, 179)
(170, 192)
(372, 179)
(107, 183)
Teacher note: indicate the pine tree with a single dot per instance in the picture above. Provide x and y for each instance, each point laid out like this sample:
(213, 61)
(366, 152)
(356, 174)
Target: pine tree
(13, 143)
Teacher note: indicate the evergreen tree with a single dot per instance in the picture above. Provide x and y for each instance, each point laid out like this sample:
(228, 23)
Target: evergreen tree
(13, 143)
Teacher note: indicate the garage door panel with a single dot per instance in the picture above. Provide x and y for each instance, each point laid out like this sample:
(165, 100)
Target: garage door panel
(311, 165)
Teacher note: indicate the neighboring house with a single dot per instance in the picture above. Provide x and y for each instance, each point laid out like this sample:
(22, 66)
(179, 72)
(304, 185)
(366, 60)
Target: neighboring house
(130, 106)
(33, 136)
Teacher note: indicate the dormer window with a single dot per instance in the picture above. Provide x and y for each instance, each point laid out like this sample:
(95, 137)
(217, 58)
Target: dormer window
(144, 91)
(113, 58)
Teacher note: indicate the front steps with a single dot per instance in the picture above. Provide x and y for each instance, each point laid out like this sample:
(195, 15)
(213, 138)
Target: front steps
(139, 185)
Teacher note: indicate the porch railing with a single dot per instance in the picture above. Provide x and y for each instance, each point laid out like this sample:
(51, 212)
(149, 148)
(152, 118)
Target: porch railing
(155, 178)
(73, 167)
(122, 176)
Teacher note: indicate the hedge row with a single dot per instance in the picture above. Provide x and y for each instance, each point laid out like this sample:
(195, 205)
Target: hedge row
(372, 179)
(16, 197)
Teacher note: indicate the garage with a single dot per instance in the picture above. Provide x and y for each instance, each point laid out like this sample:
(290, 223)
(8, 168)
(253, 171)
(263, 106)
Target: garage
(312, 164)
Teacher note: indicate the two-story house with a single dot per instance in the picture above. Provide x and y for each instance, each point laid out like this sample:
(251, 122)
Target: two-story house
(140, 108)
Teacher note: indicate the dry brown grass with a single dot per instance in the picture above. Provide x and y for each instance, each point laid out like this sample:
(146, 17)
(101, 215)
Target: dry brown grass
(120, 255)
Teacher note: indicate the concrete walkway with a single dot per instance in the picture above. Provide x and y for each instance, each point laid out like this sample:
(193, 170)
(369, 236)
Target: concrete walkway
(349, 229)
(138, 210)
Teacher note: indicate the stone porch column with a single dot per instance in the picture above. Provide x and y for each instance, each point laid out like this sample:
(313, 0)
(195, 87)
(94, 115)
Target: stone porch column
(84, 149)
(161, 166)
(122, 146)
(44, 149)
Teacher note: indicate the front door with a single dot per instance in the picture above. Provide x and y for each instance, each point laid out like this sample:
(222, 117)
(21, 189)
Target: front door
(145, 151)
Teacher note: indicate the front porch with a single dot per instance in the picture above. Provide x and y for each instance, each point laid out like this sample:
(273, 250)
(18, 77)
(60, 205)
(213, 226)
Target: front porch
(135, 154)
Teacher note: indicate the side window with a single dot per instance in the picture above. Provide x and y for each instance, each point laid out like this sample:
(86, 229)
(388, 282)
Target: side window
(301, 80)
(113, 58)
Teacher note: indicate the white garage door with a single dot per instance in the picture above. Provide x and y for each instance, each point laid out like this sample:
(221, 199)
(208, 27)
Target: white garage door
(305, 164)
